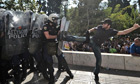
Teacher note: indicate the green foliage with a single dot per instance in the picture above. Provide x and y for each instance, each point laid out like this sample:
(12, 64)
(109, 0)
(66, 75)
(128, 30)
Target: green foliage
(88, 15)
(10, 4)
(40, 6)
(117, 8)
(107, 11)
(85, 16)
(121, 19)
(122, 4)
(73, 17)
(21, 5)
(54, 6)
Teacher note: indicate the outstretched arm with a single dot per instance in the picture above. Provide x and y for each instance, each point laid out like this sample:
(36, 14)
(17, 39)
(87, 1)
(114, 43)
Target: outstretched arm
(126, 31)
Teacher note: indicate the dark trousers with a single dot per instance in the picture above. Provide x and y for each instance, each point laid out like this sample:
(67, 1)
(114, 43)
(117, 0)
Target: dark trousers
(16, 61)
(62, 63)
(49, 62)
(97, 53)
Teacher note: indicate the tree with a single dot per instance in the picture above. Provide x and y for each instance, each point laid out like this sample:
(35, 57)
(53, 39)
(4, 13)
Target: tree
(54, 6)
(42, 6)
(88, 14)
(10, 5)
(84, 16)
(121, 19)
(49, 6)
(21, 5)
(123, 3)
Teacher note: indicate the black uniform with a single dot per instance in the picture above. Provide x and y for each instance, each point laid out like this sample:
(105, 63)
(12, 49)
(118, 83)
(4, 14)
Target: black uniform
(48, 47)
(53, 29)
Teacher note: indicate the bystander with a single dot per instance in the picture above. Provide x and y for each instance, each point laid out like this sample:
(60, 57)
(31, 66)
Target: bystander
(135, 47)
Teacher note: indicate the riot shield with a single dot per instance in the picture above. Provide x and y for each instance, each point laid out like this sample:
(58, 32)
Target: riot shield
(1, 26)
(16, 27)
(1, 20)
(1, 30)
(62, 29)
(36, 35)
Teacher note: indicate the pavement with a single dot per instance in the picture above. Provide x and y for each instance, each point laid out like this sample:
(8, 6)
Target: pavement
(84, 75)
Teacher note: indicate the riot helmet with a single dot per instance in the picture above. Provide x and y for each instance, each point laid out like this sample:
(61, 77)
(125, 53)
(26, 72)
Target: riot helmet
(53, 17)
(45, 18)
(2, 12)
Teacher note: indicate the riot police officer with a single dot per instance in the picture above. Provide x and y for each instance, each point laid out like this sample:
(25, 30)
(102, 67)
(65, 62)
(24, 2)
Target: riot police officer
(50, 32)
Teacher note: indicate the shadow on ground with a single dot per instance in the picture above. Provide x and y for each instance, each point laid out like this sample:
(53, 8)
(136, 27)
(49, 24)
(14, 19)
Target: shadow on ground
(38, 79)
(107, 71)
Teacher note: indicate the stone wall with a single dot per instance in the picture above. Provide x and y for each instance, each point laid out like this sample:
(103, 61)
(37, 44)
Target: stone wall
(109, 60)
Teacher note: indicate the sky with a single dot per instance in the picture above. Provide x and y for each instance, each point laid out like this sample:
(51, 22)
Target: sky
(71, 3)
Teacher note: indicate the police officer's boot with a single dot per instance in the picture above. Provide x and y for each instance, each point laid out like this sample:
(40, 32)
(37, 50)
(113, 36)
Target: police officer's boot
(64, 63)
(42, 69)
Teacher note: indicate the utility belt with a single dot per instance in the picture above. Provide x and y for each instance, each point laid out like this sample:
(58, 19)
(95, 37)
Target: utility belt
(52, 48)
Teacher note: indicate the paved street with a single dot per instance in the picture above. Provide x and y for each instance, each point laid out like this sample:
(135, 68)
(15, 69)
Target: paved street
(84, 75)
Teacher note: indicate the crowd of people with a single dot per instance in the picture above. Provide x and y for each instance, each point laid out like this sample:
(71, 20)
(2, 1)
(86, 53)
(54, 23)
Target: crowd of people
(112, 45)
(117, 45)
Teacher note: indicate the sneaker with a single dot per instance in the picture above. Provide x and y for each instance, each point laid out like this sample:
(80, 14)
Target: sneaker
(71, 75)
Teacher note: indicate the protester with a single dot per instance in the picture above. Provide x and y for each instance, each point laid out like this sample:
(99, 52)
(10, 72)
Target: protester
(135, 47)
(103, 32)
(51, 31)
